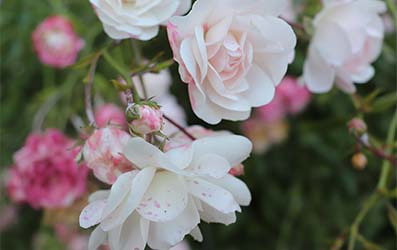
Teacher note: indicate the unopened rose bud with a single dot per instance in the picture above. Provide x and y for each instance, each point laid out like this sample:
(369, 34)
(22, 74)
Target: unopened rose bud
(357, 126)
(359, 161)
(145, 119)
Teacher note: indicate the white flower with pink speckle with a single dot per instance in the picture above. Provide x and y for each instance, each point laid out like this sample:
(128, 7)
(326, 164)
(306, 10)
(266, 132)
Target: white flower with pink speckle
(168, 194)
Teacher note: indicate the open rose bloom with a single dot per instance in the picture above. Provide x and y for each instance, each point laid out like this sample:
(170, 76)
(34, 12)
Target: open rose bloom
(138, 19)
(45, 174)
(102, 152)
(348, 38)
(167, 195)
(56, 42)
(231, 55)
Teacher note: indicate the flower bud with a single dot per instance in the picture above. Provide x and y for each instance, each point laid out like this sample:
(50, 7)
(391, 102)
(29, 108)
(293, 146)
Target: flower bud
(145, 119)
(359, 161)
(357, 126)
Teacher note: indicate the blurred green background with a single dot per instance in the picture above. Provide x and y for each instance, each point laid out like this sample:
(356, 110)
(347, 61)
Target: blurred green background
(305, 191)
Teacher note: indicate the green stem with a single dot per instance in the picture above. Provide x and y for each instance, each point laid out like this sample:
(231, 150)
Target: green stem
(138, 60)
(393, 11)
(49, 77)
(386, 166)
(124, 73)
(369, 203)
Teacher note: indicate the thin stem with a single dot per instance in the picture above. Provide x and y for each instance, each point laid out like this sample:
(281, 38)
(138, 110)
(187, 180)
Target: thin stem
(386, 166)
(124, 73)
(294, 25)
(182, 129)
(377, 152)
(138, 61)
(87, 91)
(40, 116)
(369, 203)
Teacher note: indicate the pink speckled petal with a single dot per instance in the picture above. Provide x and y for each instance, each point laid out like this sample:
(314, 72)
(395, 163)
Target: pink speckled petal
(165, 198)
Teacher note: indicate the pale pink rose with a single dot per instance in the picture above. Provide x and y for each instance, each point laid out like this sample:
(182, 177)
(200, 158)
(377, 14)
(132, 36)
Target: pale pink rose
(348, 38)
(148, 119)
(138, 19)
(263, 135)
(232, 54)
(274, 111)
(45, 174)
(295, 96)
(290, 99)
(102, 153)
(110, 114)
(56, 43)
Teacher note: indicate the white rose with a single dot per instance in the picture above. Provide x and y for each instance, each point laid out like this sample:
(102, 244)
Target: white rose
(232, 54)
(348, 38)
(138, 19)
(165, 198)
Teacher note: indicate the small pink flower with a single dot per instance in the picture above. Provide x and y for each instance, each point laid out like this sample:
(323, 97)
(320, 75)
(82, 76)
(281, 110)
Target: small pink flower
(102, 153)
(290, 99)
(110, 114)
(56, 43)
(148, 120)
(45, 174)
(295, 96)
(274, 111)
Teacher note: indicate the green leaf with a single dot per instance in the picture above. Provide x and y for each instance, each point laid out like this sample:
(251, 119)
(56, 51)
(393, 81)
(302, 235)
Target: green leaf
(119, 86)
(84, 61)
(383, 103)
(392, 214)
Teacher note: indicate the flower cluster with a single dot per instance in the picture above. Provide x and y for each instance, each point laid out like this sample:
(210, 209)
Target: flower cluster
(168, 193)
(45, 174)
(233, 56)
